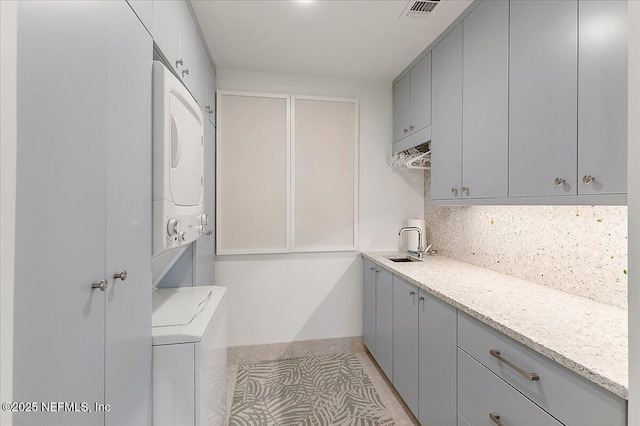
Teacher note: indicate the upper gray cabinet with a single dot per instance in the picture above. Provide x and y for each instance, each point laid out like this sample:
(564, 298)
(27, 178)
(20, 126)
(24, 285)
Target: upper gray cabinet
(166, 28)
(175, 32)
(543, 98)
(412, 106)
(401, 106)
(446, 142)
(485, 109)
(602, 97)
(529, 104)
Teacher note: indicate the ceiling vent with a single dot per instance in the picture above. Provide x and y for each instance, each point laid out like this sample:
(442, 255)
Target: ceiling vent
(419, 9)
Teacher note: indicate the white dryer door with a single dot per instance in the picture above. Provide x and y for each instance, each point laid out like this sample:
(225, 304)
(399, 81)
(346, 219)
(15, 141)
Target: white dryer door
(185, 177)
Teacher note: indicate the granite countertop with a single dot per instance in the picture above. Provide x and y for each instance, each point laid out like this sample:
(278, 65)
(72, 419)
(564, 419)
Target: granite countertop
(585, 336)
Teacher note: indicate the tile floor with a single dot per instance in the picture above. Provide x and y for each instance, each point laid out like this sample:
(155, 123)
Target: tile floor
(394, 406)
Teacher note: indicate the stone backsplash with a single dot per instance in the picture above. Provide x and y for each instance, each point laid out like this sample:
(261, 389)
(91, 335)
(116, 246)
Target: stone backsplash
(577, 249)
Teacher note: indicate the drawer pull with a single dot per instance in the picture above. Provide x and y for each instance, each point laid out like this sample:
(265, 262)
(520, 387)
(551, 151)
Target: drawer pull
(495, 417)
(529, 376)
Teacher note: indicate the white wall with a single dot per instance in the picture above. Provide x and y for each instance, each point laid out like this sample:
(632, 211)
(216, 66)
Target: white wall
(282, 298)
(634, 213)
(8, 34)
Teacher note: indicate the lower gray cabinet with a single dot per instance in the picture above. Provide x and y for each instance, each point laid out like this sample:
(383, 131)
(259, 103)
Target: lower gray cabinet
(369, 306)
(484, 399)
(384, 321)
(437, 324)
(405, 342)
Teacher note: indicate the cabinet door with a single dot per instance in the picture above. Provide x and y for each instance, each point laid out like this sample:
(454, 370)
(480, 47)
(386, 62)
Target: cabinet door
(189, 41)
(485, 116)
(167, 16)
(405, 342)
(384, 321)
(543, 97)
(369, 306)
(128, 234)
(420, 95)
(205, 245)
(58, 347)
(602, 97)
(446, 141)
(437, 349)
(200, 75)
(401, 106)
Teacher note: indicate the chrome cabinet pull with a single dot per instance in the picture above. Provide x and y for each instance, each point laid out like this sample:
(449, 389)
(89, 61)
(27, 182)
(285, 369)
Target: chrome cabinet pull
(587, 179)
(179, 62)
(495, 417)
(410, 127)
(421, 298)
(465, 189)
(454, 191)
(121, 276)
(404, 130)
(185, 72)
(529, 376)
(102, 285)
(412, 293)
(559, 181)
(372, 268)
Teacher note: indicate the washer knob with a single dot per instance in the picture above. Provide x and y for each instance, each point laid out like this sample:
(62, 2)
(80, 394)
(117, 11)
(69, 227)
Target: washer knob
(172, 226)
(182, 236)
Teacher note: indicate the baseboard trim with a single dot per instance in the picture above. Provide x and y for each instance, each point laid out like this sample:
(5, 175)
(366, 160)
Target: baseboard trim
(273, 351)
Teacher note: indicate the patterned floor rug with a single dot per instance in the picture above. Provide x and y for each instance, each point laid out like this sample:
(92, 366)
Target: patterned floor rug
(328, 390)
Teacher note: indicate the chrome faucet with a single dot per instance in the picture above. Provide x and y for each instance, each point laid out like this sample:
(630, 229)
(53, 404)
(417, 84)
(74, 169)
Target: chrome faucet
(421, 249)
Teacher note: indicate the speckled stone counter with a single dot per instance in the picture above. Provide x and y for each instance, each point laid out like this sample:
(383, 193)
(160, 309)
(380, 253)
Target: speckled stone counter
(587, 337)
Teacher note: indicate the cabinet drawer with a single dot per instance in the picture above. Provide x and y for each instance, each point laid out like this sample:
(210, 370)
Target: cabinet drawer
(570, 398)
(481, 393)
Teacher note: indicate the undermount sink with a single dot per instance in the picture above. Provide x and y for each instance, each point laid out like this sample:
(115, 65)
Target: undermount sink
(404, 259)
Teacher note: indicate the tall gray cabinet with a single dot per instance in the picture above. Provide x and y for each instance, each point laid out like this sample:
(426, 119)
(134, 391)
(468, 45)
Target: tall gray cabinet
(83, 213)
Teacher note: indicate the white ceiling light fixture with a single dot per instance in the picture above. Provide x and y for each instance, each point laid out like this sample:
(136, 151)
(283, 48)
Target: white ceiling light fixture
(419, 8)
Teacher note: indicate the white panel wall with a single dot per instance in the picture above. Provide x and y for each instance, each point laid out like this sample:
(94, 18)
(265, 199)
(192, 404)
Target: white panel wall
(8, 36)
(281, 298)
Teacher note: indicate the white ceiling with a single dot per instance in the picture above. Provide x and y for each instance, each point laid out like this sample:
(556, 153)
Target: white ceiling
(363, 39)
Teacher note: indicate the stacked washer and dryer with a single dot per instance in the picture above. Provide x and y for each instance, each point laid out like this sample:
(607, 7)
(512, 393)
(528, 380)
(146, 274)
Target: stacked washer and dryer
(189, 323)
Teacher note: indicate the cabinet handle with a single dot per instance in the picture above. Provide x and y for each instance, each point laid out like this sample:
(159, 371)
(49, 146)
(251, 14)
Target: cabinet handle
(185, 72)
(372, 268)
(412, 293)
(559, 181)
(179, 62)
(102, 285)
(209, 233)
(377, 272)
(410, 127)
(454, 191)
(421, 298)
(121, 276)
(529, 376)
(209, 109)
(495, 417)
(465, 189)
(405, 130)
(587, 179)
